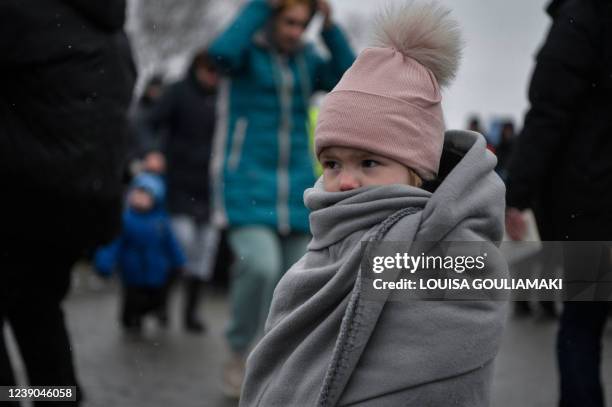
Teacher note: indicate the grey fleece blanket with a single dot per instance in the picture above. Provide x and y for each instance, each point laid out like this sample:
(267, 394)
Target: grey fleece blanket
(326, 345)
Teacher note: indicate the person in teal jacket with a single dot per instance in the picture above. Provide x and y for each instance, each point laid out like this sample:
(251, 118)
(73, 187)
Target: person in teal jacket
(262, 163)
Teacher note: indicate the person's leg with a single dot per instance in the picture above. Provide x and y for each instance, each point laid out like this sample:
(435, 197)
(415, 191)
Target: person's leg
(549, 262)
(579, 353)
(192, 322)
(210, 238)
(7, 378)
(184, 229)
(524, 267)
(158, 304)
(37, 320)
(258, 262)
(255, 273)
(161, 308)
(6, 370)
(189, 237)
(131, 314)
(207, 243)
(293, 247)
(581, 326)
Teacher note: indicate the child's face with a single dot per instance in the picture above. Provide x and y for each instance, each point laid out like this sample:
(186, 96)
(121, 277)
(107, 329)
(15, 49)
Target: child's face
(140, 200)
(346, 168)
(155, 162)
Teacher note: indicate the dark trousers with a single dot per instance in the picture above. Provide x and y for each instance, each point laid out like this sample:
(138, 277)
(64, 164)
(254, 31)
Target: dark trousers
(193, 292)
(579, 353)
(30, 302)
(6, 373)
(579, 341)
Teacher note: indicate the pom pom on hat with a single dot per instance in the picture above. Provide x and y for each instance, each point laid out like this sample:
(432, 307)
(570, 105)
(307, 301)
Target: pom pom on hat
(423, 31)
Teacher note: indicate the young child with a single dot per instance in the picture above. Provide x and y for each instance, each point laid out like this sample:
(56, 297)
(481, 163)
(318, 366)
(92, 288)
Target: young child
(390, 173)
(146, 252)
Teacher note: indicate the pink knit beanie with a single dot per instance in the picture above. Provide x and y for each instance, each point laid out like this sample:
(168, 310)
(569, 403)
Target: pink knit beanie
(388, 102)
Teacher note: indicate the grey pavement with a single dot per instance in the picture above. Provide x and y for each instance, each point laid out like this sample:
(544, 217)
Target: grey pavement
(174, 368)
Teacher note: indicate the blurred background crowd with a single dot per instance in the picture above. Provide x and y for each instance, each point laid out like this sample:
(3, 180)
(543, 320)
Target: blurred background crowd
(191, 122)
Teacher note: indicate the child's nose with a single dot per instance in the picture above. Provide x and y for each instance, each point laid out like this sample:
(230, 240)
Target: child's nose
(348, 181)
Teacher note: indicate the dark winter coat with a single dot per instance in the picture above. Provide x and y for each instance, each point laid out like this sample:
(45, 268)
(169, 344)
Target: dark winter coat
(147, 251)
(187, 112)
(66, 79)
(145, 137)
(504, 153)
(563, 162)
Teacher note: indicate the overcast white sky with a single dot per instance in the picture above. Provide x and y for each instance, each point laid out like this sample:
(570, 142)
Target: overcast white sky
(502, 38)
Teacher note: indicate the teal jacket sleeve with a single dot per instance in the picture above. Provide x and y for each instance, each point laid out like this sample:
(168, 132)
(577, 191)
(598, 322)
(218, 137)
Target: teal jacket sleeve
(342, 57)
(230, 47)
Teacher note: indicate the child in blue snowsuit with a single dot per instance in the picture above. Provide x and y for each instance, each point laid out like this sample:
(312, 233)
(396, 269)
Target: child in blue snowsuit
(146, 253)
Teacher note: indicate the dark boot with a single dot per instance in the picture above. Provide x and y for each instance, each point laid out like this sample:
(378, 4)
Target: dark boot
(193, 291)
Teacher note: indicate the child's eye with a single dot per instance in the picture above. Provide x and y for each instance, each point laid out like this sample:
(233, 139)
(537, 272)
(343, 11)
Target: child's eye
(332, 165)
(369, 163)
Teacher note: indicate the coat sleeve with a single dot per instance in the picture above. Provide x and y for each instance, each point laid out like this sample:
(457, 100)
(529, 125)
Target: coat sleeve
(564, 72)
(342, 57)
(149, 124)
(105, 257)
(230, 47)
